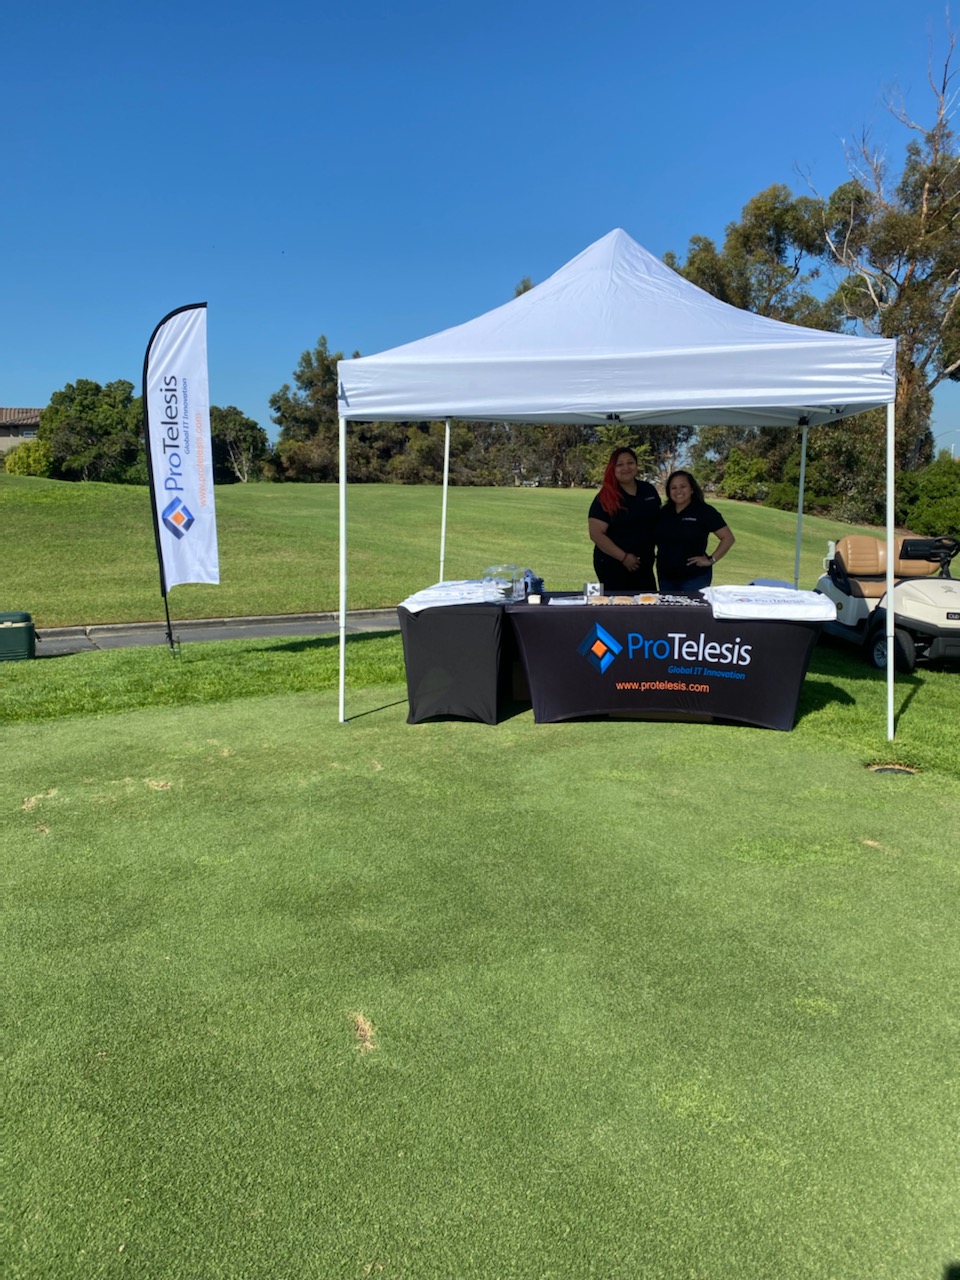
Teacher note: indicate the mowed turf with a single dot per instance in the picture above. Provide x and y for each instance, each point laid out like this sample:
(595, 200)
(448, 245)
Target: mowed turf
(289, 999)
(603, 999)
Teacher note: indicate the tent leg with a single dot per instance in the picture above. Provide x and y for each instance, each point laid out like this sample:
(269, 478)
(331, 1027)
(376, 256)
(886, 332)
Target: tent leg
(446, 485)
(343, 568)
(891, 651)
(803, 479)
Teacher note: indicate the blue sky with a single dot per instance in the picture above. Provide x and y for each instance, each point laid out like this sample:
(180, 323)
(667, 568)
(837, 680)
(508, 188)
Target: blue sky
(379, 172)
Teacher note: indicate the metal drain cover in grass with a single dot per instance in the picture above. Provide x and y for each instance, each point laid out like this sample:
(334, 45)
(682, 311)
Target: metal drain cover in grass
(892, 768)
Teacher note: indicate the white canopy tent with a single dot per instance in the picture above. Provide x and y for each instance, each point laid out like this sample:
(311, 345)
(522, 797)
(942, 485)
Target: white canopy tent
(616, 335)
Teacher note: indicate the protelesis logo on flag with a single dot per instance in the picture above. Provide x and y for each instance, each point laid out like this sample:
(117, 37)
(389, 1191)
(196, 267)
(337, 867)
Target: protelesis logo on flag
(177, 518)
(599, 648)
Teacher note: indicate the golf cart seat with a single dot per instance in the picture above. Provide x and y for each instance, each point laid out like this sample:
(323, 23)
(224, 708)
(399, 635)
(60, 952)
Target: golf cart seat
(859, 566)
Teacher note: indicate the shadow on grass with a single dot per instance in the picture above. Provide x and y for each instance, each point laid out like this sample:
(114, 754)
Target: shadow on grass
(387, 706)
(508, 710)
(308, 644)
(915, 687)
(834, 658)
(849, 665)
(816, 696)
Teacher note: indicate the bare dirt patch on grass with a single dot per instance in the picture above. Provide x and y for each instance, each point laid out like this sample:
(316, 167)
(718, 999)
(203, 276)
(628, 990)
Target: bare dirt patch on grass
(365, 1032)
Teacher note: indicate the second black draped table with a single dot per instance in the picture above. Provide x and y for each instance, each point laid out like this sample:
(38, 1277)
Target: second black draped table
(461, 661)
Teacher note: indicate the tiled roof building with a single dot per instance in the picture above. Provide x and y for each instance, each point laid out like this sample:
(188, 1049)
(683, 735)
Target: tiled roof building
(17, 425)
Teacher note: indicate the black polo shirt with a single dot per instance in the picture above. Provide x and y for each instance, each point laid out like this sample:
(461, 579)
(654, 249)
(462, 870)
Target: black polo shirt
(632, 527)
(681, 536)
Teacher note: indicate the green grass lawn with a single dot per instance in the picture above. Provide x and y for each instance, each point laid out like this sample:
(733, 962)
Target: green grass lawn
(289, 999)
(292, 1000)
(85, 552)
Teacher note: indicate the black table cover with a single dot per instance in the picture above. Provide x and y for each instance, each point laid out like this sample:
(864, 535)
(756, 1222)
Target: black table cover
(588, 660)
(459, 661)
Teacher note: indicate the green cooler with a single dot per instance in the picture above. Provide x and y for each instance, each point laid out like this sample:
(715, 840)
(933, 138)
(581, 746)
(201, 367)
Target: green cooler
(17, 637)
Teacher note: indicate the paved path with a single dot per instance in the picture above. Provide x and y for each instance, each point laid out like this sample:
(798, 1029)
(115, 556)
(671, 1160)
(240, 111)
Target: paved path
(54, 642)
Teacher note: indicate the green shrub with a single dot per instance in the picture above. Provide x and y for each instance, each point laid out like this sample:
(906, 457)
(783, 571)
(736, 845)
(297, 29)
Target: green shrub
(928, 501)
(784, 496)
(31, 458)
(744, 478)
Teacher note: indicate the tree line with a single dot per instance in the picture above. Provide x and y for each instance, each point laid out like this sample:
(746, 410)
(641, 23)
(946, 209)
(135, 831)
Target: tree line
(94, 432)
(880, 255)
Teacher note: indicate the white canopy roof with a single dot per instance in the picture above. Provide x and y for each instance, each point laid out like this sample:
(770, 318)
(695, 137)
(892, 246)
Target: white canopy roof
(615, 331)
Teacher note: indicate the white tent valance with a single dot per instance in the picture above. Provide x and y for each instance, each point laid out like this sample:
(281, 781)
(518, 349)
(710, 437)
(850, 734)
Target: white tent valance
(615, 331)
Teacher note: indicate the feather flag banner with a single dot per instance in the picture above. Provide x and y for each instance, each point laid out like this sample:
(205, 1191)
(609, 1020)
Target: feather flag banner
(176, 409)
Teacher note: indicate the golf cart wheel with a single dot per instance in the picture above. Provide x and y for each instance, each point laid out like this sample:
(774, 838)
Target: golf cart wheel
(904, 650)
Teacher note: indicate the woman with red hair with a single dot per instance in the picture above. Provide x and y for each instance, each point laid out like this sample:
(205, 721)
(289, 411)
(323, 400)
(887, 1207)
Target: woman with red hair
(621, 523)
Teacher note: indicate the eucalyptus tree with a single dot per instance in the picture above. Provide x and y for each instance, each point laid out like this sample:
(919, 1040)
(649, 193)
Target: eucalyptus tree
(895, 239)
(767, 264)
(879, 255)
(239, 444)
(307, 417)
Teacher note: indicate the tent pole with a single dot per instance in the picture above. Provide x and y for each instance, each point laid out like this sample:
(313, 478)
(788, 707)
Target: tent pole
(343, 567)
(890, 620)
(446, 482)
(803, 479)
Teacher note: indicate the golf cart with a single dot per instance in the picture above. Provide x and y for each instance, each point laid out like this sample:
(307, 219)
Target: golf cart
(926, 599)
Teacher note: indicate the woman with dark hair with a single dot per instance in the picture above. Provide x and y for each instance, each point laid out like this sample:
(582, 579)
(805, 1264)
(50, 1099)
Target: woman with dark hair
(621, 524)
(684, 525)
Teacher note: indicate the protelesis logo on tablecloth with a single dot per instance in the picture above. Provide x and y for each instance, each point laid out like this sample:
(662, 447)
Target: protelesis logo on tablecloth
(177, 518)
(599, 648)
(680, 653)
